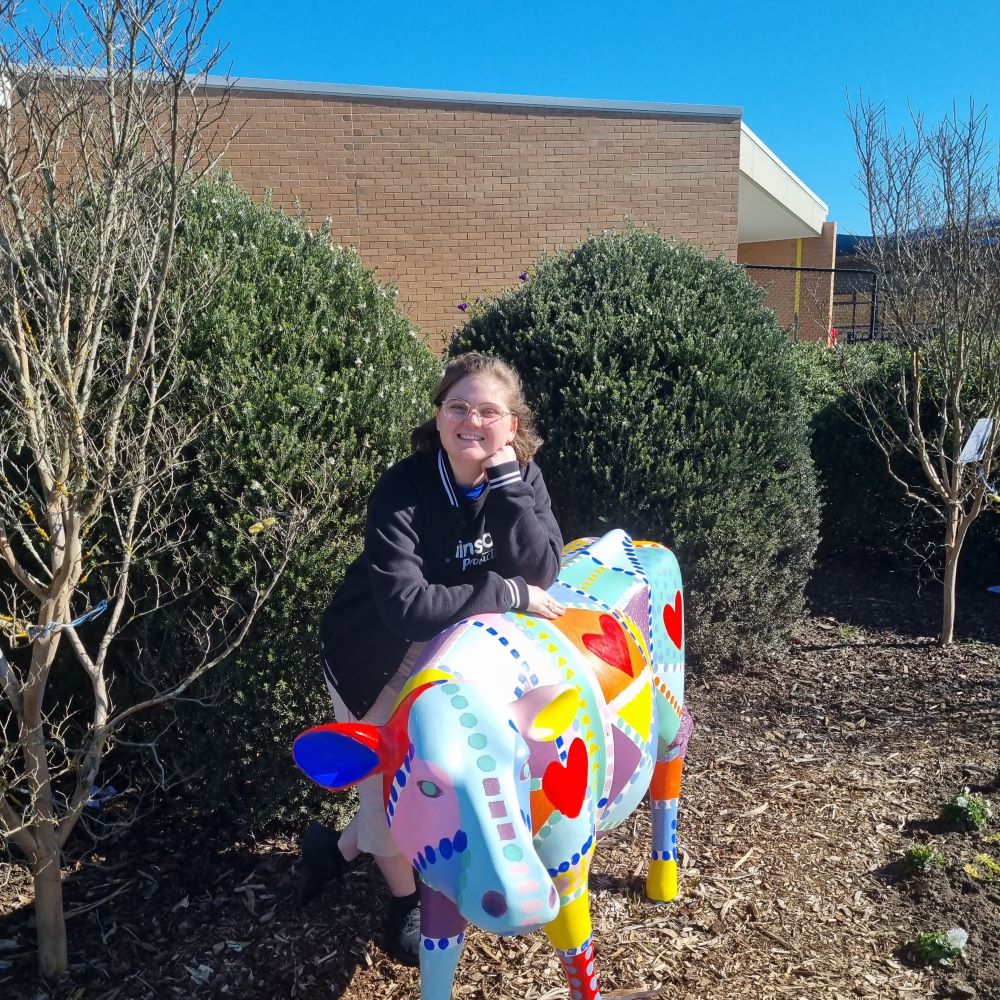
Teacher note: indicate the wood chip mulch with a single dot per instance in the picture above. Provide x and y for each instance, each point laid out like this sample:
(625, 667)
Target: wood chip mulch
(808, 777)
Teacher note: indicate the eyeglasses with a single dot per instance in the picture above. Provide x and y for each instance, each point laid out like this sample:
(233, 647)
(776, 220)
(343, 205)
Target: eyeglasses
(458, 410)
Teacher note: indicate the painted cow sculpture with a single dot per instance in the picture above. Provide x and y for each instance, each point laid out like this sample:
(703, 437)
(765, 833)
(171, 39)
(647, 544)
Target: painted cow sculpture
(517, 742)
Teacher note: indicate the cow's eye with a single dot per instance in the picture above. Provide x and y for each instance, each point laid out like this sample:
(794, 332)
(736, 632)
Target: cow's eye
(526, 770)
(429, 789)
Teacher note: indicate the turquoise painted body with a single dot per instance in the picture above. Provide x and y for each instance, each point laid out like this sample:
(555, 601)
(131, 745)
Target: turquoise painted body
(518, 740)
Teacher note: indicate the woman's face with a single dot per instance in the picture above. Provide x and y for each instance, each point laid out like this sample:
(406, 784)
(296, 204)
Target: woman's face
(471, 439)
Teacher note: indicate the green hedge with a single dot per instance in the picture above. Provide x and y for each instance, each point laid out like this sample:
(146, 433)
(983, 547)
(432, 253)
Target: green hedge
(866, 515)
(299, 362)
(671, 409)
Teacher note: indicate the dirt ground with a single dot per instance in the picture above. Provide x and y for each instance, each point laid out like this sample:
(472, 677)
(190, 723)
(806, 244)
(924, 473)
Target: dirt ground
(807, 779)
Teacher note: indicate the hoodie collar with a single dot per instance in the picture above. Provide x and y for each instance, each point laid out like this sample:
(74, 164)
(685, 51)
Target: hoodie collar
(447, 480)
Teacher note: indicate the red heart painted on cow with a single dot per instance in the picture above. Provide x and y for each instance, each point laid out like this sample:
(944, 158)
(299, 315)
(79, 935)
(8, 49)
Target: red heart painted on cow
(673, 620)
(611, 645)
(565, 785)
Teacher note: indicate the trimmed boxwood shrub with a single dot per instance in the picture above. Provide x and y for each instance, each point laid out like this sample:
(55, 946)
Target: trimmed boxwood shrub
(671, 409)
(298, 362)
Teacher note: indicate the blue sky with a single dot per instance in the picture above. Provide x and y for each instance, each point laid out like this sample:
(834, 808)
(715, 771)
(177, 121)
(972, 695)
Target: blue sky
(790, 66)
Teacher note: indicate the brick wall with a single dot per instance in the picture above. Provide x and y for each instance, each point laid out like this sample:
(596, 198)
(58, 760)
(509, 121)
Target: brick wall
(811, 291)
(449, 201)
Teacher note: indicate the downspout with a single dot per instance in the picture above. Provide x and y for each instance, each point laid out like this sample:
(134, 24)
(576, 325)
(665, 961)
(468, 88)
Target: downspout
(798, 287)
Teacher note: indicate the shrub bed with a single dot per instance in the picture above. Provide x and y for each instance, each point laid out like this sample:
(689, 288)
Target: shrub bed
(671, 409)
(299, 362)
(866, 515)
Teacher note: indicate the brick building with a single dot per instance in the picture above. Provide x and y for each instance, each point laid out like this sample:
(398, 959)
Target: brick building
(449, 195)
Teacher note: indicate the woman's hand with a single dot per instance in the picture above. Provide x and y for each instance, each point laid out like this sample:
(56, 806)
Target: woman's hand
(500, 457)
(543, 604)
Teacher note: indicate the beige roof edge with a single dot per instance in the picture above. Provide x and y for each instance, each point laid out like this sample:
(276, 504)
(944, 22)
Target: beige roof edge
(711, 111)
(771, 180)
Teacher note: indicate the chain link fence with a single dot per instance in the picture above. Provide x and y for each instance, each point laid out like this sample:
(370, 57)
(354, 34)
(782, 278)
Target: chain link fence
(818, 303)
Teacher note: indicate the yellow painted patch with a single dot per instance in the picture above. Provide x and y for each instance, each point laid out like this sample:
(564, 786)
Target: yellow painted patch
(638, 712)
(661, 881)
(556, 717)
(571, 926)
(428, 676)
(593, 578)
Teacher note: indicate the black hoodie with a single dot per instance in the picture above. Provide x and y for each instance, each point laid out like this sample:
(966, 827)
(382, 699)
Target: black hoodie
(432, 558)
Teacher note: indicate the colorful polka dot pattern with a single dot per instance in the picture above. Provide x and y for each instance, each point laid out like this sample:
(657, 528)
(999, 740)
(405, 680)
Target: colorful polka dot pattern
(445, 849)
(398, 784)
(581, 973)
(442, 944)
(599, 576)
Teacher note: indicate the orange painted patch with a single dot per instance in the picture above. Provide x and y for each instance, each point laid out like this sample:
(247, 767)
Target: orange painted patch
(577, 623)
(541, 810)
(666, 783)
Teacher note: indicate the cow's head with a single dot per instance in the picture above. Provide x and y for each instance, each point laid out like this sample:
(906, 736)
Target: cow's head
(457, 782)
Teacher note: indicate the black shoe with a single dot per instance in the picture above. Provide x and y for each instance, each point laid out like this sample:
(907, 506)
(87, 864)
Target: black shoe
(321, 862)
(403, 929)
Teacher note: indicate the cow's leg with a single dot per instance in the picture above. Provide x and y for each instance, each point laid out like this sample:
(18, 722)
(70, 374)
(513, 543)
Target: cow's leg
(664, 795)
(442, 934)
(570, 934)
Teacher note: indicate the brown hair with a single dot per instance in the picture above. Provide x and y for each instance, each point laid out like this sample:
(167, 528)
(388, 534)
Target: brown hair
(425, 437)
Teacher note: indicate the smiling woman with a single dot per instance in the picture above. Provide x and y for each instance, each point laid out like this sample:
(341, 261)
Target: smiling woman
(464, 526)
(475, 431)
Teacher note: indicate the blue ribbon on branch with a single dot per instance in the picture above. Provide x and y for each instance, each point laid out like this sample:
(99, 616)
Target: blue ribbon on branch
(41, 631)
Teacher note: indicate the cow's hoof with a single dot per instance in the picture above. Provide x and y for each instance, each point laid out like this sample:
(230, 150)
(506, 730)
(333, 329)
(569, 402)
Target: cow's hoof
(661, 882)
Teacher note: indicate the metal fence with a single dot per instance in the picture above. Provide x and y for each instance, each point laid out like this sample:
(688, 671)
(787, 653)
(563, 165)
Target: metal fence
(813, 302)
(855, 306)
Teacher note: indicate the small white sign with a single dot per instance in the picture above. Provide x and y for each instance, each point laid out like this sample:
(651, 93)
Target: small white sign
(978, 439)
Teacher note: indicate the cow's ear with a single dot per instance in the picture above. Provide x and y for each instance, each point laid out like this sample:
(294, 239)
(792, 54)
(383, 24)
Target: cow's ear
(546, 712)
(339, 754)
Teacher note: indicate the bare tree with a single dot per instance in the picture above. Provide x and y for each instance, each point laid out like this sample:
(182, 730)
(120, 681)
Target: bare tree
(933, 203)
(105, 125)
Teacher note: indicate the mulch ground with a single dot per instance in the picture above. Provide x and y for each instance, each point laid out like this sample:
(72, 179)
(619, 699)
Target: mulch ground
(808, 778)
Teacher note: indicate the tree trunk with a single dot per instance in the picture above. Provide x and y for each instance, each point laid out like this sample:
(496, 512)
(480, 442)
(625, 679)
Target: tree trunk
(952, 550)
(46, 860)
(49, 919)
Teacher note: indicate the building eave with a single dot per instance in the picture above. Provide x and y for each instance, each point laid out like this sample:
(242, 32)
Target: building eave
(774, 203)
(358, 92)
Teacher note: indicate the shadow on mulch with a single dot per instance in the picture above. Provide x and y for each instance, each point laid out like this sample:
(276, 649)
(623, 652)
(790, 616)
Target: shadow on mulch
(895, 601)
(185, 908)
(182, 916)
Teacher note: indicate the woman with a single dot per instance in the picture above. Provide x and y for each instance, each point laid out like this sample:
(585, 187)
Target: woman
(462, 527)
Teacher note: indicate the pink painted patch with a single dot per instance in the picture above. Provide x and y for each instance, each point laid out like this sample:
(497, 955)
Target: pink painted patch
(506, 831)
(498, 810)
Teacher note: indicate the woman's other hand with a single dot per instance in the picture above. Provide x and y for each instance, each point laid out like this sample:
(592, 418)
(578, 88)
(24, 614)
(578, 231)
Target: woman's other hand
(542, 603)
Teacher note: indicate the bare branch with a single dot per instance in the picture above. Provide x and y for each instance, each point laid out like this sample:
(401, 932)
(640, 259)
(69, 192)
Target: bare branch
(934, 207)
